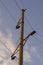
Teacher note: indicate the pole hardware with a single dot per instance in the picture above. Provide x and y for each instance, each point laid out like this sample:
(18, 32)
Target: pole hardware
(13, 57)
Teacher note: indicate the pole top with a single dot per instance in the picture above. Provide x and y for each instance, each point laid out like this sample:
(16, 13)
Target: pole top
(23, 9)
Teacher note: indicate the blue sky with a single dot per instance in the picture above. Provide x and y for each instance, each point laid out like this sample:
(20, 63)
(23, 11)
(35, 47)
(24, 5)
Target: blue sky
(9, 37)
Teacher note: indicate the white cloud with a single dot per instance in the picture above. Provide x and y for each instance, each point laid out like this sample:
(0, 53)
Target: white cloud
(9, 33)
(7, 41)
(27, 57)
(26, 47)
(1, 58)
(9, 44)
(35, 52)
(4, 53)
(33, 49)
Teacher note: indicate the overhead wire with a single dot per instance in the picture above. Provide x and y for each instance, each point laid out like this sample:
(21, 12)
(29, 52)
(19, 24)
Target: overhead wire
(17, 48)
(28, 20)
(10, 15)
(7, 10)
(22, 3)
(39, 35)
(30, 24)
(20, 9)
(25, 16)
(17, 4)
(33, 28)
(5, 45)
(25, 39)
(38, 39)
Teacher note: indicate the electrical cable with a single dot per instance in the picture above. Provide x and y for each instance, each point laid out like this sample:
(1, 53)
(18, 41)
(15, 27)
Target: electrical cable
(26, 38)
(30, 23)
(22, 3)
(4, 45)
(39, 35)
(17, 4)
(23, 45)
(7, 10)
(26, 17)
(9, 14)
(32, 27)
(16, 50)
(38, 39)
(20, 9)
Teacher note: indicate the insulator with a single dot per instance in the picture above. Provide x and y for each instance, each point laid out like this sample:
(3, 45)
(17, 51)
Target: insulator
(17, 26)
(13, 57)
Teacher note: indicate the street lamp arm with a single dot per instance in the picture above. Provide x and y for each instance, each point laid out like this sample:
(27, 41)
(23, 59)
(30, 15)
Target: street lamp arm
(32, 33)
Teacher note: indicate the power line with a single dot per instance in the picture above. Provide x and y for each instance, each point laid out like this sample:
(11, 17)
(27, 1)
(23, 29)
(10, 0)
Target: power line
(24, 44)
(17, 4)
(30, 23)
(39, 35)
(20, 9)
(22, 2)
(9, 14)
(7, 10)
(32, 27)
(5, 45)
(25, 39)
(26, 17)
(38, 39)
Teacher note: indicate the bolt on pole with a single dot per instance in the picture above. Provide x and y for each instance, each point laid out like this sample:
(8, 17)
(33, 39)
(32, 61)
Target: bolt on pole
(20, 57)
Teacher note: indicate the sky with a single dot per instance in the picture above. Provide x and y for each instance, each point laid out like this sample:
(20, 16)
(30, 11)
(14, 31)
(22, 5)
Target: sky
(10, 12)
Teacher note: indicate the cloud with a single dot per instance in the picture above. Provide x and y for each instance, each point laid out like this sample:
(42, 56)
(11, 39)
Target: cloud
(7, 41)
(6, 48)
(27, 57)
(9, 32)
(33, 49)
(1, 58)
(35, 52)
(9, 62)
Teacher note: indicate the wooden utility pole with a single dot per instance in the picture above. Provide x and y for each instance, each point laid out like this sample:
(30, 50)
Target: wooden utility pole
(20, 58)
(20, 46)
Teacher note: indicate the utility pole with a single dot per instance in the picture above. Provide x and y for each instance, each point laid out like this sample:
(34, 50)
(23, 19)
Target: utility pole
(20, 46)
(20, 58)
